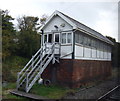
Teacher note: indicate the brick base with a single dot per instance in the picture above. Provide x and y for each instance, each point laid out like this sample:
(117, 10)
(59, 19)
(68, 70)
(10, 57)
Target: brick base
(74, 73)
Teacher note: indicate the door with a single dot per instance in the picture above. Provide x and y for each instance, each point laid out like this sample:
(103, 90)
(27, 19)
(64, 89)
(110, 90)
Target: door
(57, 37)
(57, 40)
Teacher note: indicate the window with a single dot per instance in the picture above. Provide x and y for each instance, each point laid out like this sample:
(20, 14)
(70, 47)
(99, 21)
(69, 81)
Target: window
(77, 38)
(97, 44)
(45, 38)
(85, 40)
(50, 38)
(56, 37)
(69, 38)
(63, 37)
(109, 48)
(89, 42)
(101, 46)
(81, 39)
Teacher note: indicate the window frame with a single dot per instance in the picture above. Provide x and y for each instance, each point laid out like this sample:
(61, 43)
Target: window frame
(66, 38)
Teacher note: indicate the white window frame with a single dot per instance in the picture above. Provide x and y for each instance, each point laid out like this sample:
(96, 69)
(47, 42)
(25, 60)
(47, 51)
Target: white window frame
(66, 34)
(54, 36)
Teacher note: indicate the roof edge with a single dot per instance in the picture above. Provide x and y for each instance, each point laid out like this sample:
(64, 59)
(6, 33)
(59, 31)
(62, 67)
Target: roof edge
(62, 16)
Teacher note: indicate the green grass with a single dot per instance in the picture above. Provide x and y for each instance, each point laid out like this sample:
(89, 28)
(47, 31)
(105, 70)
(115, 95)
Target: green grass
(6, 92)
(52, 92)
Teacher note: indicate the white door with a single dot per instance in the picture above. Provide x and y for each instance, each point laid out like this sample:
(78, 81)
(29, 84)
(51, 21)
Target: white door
(57, 37)
(57, 40)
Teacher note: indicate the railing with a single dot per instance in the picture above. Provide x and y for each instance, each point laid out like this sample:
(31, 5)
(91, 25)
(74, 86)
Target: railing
(34, 68)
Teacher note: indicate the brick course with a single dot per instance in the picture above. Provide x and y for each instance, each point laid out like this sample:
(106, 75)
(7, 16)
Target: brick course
(74, 72)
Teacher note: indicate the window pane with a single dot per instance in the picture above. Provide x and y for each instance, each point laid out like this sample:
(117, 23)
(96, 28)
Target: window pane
(50, 38)
(69, 38)
(81, 39)
(45, 38)
(89, 42)
(77, 38)
(56, 37)
(63, 37)
(85, 40)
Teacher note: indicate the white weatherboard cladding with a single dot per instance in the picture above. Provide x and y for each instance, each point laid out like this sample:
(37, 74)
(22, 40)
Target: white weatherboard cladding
(67, 57)
(94, 53)
(79, 51)
(91, 54)
(87, 52)
(105, 55)
(66, 49)
(109, 56)
(98, 53)
(56, 20)
(101, 54)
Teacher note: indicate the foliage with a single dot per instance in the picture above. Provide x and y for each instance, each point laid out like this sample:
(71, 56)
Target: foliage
(115, 52)
(11, 66)
(43, 19)
(29, 39)
(8, 34)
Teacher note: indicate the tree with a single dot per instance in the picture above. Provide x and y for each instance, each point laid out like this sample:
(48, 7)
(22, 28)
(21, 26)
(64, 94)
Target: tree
(8, 34)
(115, 52)
(43, 19)
(29, 39)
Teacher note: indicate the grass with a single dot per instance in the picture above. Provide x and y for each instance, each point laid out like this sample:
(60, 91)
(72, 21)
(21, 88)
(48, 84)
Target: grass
(52, 92)
(10, 67)
(6, 92)
(16, 63)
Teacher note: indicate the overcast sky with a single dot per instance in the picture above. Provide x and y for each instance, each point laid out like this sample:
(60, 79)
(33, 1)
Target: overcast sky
(100, 16)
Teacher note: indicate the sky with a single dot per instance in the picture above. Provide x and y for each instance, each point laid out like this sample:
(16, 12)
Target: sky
(101, 16)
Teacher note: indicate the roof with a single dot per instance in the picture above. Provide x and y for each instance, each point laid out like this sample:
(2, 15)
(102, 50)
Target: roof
(77, 25)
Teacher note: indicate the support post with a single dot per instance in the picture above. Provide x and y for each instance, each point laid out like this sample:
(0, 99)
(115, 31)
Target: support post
(18, 75)
(73, 53)
(53, 61)
(26, 82)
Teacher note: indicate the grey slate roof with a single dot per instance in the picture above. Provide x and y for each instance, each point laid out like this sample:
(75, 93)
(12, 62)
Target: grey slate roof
(91, 31)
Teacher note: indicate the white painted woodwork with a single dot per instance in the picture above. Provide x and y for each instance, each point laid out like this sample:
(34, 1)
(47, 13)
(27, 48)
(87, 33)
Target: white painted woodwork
(94, 55)
(79, 50)
(56, 20)
(66, 49)
(87, 52)
(98, 53)
(109, 56)
(91, 53)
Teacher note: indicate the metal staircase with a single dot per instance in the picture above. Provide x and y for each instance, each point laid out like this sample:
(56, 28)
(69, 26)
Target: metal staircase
(35, 67)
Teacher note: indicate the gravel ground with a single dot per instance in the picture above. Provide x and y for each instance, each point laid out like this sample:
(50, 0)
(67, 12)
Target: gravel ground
(94, 92)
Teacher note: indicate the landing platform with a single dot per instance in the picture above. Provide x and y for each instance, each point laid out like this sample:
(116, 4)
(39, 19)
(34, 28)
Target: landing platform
(27, 95)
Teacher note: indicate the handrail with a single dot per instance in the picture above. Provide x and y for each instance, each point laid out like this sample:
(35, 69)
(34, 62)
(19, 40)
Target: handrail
(33, 69)
(32, 58)
(37, 63)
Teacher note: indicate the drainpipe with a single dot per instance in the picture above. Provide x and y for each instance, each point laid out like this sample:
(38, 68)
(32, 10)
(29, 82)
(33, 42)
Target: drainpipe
(73, 53)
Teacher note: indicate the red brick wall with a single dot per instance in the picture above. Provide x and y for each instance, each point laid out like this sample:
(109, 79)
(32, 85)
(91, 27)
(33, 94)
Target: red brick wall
(74, 73)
